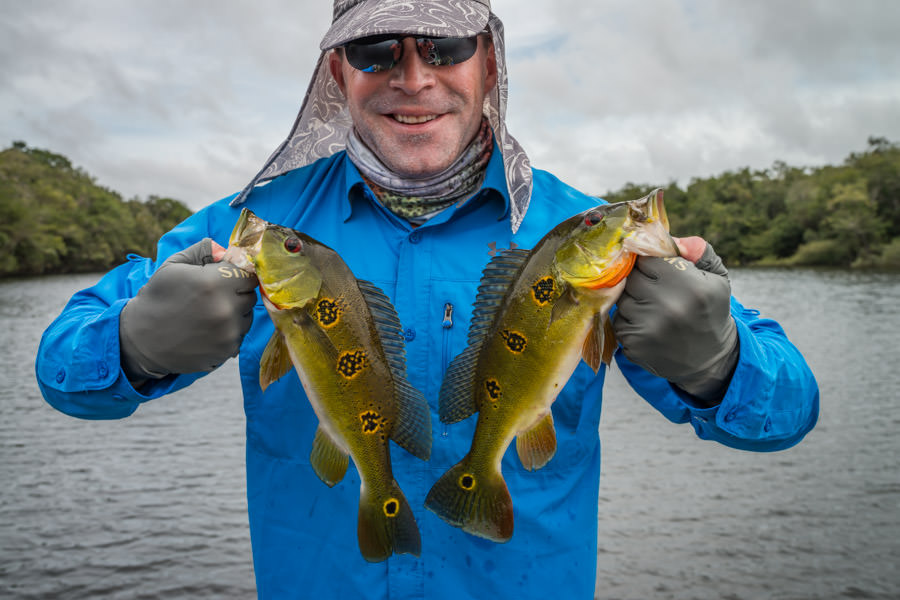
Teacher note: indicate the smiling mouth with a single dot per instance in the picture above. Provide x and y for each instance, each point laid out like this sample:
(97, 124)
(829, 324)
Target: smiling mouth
(413, 120)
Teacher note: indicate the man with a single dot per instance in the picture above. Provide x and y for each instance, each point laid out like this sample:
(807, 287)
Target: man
(400, 160)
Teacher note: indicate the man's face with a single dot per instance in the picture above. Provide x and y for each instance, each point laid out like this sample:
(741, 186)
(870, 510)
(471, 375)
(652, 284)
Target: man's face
(417, 117)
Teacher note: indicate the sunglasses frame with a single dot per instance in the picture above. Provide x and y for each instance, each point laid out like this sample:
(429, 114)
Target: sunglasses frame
(434, 51)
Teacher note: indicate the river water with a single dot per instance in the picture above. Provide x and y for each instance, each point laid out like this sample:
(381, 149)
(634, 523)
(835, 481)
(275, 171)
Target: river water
(154, 506)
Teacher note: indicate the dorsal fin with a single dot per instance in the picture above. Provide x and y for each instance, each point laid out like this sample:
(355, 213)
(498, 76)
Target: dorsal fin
(457, 400)
(496, 278)
(387, 323)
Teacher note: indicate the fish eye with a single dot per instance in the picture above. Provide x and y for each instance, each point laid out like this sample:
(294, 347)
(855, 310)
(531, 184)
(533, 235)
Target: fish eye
(592, 219)
(293, 245)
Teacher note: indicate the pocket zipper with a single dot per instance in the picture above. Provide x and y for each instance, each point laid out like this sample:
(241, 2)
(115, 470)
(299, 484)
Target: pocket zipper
(446, 324)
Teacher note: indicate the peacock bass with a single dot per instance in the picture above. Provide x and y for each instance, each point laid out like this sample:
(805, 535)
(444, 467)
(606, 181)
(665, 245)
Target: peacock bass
(537, 313)
(343, 337)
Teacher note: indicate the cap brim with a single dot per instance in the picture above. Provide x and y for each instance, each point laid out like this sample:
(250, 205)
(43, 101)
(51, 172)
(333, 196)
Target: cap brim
(426, 19)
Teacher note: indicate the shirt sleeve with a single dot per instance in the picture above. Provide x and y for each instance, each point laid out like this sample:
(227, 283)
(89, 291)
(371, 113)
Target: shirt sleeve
(771, 403)
(78, 367)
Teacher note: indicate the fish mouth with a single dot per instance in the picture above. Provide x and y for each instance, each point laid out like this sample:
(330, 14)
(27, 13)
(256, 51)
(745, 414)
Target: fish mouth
(246, 238)
(653, 238)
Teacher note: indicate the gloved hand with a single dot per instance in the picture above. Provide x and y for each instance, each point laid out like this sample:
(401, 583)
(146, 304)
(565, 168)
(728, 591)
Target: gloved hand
(674, 320)
(191, 315)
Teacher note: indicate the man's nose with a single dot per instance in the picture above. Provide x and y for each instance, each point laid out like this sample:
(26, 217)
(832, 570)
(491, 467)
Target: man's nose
(412, 74)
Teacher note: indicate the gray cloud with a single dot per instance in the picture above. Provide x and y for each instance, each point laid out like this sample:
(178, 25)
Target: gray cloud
(188, 99)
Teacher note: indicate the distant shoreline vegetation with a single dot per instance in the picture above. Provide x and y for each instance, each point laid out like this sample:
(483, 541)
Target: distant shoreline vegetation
(833, 216)
(55, 218)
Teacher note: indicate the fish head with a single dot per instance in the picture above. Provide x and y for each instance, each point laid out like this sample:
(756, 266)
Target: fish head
(281, 258)
(601, 244)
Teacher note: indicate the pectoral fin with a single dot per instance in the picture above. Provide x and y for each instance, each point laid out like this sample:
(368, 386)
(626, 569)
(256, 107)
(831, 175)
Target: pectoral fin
(564, 304)
(537, 445)
(275, 361)
(327, 460)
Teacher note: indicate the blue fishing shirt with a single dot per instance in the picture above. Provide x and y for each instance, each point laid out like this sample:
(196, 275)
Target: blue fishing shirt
(303, 533)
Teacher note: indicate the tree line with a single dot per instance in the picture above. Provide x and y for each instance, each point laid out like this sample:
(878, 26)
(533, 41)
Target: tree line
(836, 216)
(55, 218)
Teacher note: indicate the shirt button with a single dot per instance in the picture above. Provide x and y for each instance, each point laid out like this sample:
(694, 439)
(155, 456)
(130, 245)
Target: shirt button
(409, 334)
(102, 370)
(60, 375)
(729, 417)
(415, 237)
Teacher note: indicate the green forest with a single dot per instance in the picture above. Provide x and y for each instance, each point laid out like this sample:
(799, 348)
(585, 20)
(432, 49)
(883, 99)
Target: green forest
(834, 216)
(55, 218)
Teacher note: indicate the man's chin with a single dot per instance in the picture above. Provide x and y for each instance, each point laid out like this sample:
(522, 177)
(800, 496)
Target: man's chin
(417, 165)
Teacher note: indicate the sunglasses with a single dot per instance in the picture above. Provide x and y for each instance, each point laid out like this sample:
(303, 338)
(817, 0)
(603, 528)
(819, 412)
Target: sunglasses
(383, 52)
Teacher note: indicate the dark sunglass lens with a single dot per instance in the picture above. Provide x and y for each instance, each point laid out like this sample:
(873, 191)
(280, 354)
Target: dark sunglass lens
(446, 51)
(373, 56)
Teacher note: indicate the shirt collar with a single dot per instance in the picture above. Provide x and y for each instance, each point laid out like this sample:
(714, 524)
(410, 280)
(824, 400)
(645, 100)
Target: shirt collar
(493, 189)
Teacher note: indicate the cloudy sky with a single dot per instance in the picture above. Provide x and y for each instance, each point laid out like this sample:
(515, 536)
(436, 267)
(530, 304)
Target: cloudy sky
(187, 98)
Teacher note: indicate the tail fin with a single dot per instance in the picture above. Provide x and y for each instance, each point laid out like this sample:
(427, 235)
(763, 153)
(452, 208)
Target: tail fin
(386, 525)
(476, 501)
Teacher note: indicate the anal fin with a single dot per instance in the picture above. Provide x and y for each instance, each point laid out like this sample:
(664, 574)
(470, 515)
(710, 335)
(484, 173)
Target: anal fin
(327, 460)
(537, 445)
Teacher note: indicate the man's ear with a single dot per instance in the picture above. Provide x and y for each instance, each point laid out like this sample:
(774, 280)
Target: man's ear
(335, 65)
(490, 67)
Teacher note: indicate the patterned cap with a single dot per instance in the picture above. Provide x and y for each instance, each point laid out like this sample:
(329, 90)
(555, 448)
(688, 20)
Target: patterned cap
(323, 123)
(354, 19)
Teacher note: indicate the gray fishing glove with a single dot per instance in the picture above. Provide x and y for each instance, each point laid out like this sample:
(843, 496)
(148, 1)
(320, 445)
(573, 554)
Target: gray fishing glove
(191, 316)
(674, 320)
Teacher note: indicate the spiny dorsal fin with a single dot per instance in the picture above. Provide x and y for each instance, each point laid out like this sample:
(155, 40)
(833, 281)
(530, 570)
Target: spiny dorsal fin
(537, 445)
(387, 323)
(457, 399)
(496, 278)
(327, 460)
(275, 361)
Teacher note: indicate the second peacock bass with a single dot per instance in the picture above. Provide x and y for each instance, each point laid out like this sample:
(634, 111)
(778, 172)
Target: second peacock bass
(537, 314)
